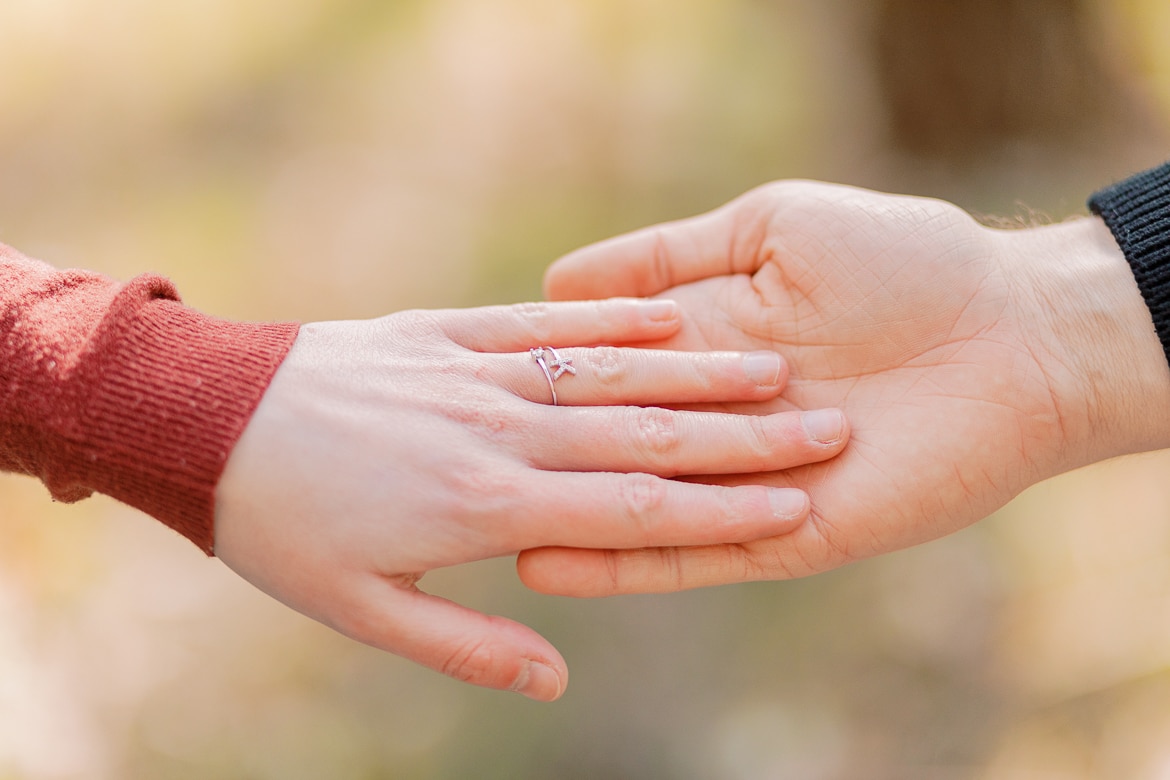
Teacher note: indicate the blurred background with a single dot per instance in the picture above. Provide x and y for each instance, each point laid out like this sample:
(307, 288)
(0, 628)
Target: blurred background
(311, 159)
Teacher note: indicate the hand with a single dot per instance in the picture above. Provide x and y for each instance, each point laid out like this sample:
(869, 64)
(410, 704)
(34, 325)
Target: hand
(971, 362)
(387, 448)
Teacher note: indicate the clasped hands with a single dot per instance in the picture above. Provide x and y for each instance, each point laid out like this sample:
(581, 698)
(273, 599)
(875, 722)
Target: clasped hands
(706, 443)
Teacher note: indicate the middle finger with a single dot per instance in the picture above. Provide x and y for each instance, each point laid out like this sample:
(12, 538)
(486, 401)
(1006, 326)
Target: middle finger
(674, 443)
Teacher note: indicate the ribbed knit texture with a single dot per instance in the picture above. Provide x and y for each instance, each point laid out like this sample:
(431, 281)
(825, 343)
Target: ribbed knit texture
(1137, 212)
(122, 390)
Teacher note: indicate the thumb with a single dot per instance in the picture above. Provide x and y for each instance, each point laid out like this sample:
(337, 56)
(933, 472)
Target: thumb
(480, 649)
(648, 261)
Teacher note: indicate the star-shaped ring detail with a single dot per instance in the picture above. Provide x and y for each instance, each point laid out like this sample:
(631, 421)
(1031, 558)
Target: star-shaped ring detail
(553, 365)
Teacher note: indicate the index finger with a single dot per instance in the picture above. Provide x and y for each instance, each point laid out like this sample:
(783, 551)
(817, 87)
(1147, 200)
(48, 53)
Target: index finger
(519, 326)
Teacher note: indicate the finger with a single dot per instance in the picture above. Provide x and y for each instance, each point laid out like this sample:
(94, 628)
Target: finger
(566, 571)
(584, 573)
(669, 443)
(484, 650)
(611, 375)
(651, 260)
(604, 510)
(524, 325)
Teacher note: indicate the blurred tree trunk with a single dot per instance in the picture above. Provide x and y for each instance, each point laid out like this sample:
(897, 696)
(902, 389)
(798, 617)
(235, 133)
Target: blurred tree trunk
(962, 78)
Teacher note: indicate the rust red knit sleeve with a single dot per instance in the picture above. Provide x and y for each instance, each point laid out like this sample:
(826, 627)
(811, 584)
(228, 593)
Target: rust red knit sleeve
(120, 389)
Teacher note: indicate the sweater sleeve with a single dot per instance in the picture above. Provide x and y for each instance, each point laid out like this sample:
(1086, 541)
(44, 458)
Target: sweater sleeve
(1137, 212)
(120, 389)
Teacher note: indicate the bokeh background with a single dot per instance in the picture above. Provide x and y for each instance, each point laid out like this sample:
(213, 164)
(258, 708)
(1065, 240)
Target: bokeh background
(311, 159)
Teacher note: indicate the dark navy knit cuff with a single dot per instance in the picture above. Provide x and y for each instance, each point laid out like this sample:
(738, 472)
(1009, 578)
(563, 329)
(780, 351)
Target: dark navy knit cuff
(1137, 211)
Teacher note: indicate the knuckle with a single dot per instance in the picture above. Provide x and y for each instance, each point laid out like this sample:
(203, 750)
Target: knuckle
(656, 430)
(483, 374)
(765, 194)
(736, 507)
(762, 438)
(768, 197)
(481, 490)
(415, 323)
(606, 366)
(470, 661)
(455, 366)
(480, 415)
(536, 319)
(642, 496)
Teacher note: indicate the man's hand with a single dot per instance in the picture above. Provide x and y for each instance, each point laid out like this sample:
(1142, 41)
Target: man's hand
(971, 362)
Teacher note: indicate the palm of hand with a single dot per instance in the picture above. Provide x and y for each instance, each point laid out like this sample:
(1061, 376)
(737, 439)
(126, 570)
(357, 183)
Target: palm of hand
(893, 310)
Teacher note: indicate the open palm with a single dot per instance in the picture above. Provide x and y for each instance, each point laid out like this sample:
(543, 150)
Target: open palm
(897, 310)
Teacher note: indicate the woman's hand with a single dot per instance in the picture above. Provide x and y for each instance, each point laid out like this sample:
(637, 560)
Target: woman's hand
(387, 448)
(972, 363)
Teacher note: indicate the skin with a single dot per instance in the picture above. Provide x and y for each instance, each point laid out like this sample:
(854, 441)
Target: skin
(972, 363)
(387, 448)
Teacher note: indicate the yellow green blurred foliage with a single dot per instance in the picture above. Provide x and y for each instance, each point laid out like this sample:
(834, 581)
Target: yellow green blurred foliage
(309, 159)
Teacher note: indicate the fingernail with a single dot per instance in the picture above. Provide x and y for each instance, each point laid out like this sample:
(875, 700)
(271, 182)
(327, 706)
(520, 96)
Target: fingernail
(787, 503)
(659, 311)
(538, 681)
(763, 368)
(823, 425)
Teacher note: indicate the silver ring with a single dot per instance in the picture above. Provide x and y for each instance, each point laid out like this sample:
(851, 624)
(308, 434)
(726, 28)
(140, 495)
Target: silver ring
(553, 365)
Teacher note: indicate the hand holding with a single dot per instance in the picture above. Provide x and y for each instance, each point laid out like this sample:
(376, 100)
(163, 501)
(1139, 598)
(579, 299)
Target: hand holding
(387, 448)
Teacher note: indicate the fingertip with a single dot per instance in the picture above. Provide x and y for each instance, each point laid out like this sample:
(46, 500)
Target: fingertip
(641, 319)
(561, 283)
(767, 370)
(510, 657)
(622, 265)
(660, 311)
(540, 681)
(461, 643)
(531, 568)
(560, 571)
(790, 507)
(827, 427)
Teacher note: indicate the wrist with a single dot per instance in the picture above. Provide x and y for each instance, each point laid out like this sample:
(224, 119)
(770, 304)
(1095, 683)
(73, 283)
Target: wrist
(1090, 330)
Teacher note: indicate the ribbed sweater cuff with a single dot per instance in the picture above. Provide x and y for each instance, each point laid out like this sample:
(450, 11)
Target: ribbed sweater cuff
(164, 396)
(1137, 211)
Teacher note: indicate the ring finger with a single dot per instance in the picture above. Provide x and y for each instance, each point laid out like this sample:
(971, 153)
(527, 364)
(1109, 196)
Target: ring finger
(611, 375)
